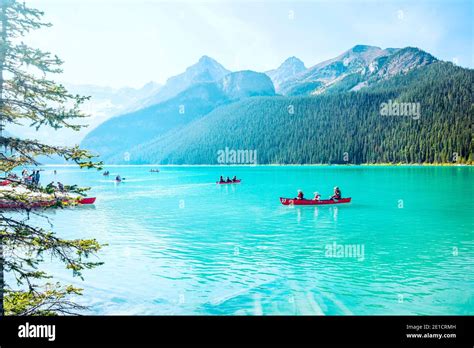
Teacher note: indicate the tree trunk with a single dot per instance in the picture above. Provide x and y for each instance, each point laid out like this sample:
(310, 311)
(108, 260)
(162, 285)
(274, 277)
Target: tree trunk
(2, 282)
(3, 52)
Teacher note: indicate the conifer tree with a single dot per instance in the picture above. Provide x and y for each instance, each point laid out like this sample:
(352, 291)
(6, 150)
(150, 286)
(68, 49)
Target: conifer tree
(29, 97)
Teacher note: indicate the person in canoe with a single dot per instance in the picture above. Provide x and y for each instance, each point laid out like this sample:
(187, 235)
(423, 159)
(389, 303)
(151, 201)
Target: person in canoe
(317, 196)
(234, 179)
(228, 180)
(221, 179)
(337, 193)
(300, 195)
(118, 178)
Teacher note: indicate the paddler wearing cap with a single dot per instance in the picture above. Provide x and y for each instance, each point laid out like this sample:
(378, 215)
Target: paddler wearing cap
(337, 193)
(300, 195)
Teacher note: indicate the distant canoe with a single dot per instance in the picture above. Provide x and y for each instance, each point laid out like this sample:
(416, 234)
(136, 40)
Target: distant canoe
(227, 183)
(294, 201)
(42, 204)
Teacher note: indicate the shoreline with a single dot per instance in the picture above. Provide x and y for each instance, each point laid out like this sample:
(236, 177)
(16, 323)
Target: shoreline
(274, 165)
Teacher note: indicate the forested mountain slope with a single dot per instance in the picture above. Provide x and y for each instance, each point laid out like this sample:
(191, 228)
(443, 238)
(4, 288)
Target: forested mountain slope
(333, 127)
(120, 134)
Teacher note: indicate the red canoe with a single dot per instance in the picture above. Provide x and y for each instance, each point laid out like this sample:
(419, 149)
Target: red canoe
(224, 183)
(293, 201)
(87, 200)
(40, 204)
(5, 183)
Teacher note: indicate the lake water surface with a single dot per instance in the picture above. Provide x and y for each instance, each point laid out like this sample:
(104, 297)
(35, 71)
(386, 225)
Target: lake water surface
(180, 244)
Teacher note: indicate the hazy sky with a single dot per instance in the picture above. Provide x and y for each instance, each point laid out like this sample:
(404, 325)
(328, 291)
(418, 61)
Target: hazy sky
(130, 42)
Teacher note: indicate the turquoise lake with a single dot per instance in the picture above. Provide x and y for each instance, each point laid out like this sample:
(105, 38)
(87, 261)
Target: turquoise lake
(180, 244)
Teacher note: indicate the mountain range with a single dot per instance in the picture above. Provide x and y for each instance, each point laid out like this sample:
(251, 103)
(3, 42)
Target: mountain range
(118, 135)
(354, 69)
(207, 108)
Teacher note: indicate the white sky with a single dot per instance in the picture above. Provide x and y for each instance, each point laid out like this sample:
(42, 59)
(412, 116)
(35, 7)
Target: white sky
(130, 42)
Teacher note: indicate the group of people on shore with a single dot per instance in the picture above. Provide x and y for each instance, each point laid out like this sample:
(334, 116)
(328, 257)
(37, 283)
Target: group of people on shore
(34, 179)
(222, 180)
(59, 187)
(31, 179)
(337, 195)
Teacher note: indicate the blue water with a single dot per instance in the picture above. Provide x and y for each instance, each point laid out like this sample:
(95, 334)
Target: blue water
(180, 244)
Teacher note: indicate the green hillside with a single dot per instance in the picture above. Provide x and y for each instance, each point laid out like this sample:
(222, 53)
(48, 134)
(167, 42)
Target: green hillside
(325, 128)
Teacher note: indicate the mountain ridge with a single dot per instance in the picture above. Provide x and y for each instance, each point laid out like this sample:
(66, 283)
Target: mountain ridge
(363, 60)
(322, 128)
(188, 105)
(206, 69)
(360, 69)
(289, 68)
